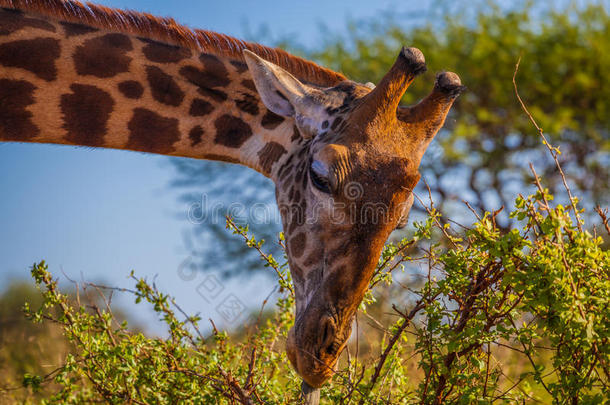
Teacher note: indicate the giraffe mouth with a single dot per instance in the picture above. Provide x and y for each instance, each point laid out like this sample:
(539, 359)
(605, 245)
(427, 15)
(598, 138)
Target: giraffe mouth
(314, 345)
(314, 370)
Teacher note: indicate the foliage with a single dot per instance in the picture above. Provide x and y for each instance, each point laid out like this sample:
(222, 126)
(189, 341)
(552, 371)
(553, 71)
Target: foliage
(31, 351)
(540, 291)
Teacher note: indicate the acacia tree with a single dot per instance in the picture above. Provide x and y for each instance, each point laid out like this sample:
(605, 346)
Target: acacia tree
(483, 155)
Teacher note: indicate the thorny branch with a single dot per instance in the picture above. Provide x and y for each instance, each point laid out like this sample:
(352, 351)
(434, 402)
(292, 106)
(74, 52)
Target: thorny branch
(262, 254)
(552, 150)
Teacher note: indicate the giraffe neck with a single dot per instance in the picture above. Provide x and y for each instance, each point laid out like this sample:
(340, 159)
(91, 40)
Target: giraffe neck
(68, 83)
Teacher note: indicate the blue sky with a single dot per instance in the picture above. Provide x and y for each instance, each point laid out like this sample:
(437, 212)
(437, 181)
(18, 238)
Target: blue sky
(97, 214)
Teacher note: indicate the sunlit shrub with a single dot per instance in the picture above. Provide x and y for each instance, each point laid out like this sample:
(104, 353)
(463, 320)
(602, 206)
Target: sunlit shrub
(540, 291)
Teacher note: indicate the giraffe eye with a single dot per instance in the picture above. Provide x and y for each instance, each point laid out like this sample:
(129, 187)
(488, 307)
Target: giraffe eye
(318, 173)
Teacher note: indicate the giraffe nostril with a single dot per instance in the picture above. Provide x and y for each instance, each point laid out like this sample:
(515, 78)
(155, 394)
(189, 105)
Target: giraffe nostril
(328, 334)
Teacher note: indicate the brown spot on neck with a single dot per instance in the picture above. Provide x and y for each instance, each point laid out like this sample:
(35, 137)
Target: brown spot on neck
(240, 66)
(159, 52)
(163, 87)
(249, 84)
(74, 29)
(270, 154)
(271, 120)
(131, 89)
(248, 104)
(15, 120)
(151, 132)
(205, 82)
(196, 135)
(13, 21)
(85, 113)
(231, 131)
(216, 72)
(104, 56)
(34, 55)
(200, 108)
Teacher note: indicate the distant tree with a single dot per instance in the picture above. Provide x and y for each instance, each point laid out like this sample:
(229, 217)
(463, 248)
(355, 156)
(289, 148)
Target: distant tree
(213, 190)
(31, 352)
(26, 348)
(483, 154)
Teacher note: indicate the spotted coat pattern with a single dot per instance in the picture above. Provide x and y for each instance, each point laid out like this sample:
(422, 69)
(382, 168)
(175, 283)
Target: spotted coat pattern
(70, 83)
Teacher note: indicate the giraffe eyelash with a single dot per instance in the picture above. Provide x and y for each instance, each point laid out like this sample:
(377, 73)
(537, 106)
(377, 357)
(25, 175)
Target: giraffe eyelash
(319, 182)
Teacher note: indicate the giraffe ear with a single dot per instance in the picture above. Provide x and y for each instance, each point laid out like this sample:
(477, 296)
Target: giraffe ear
(280, 91)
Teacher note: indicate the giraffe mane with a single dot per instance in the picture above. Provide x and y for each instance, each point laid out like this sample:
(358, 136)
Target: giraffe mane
(169, 31)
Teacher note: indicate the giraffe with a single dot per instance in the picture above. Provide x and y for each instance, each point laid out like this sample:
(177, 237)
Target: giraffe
(344, 156)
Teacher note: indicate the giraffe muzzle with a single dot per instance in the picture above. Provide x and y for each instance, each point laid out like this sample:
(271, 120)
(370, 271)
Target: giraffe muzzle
(315, 343)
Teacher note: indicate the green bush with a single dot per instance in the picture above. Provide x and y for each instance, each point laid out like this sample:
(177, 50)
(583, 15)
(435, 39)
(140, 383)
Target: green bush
(539, 292)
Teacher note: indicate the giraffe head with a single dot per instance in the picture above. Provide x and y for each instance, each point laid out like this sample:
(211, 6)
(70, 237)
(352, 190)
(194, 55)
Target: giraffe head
(343, 188)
